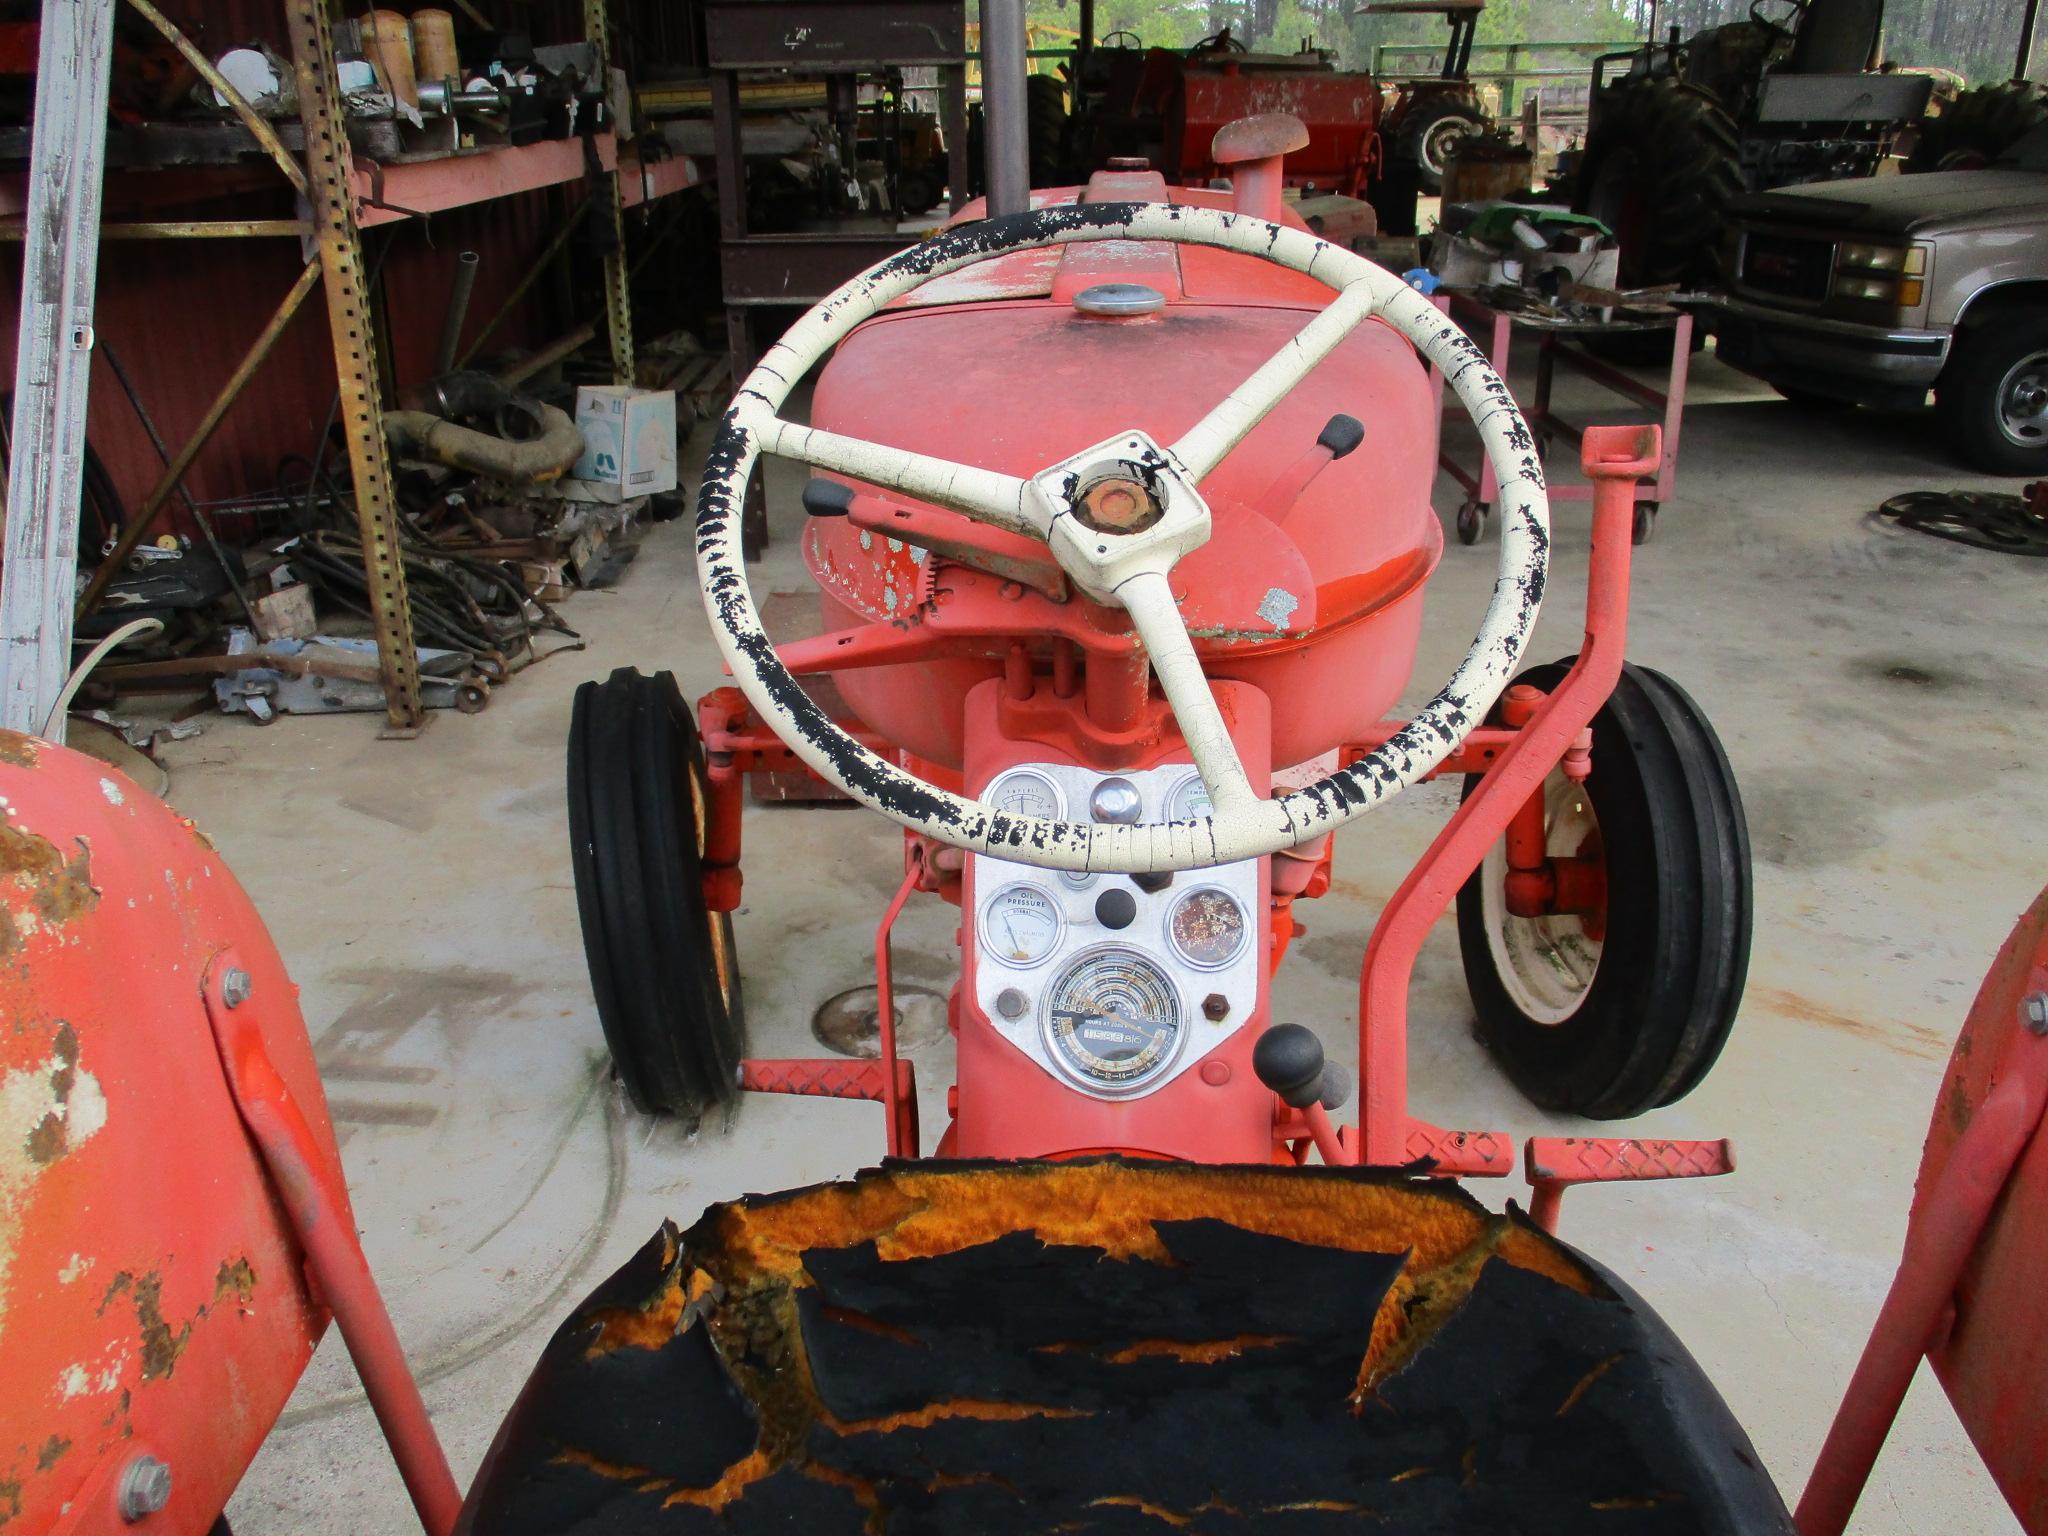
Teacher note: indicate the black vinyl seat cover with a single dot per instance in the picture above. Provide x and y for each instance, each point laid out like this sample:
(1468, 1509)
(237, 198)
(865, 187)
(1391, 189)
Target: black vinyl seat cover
(1017, 1385)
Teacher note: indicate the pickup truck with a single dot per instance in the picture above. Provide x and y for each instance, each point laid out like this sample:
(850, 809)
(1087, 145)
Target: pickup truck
(1875, 291)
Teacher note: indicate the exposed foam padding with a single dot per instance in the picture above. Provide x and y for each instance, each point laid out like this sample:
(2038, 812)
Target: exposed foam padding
(1107, 1347)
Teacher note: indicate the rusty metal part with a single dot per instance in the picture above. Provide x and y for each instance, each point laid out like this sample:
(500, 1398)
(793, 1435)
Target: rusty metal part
(420, 435)
(460, 287)
(618, 307)
(332, 194)
(174, 472)
(850, 1022)
(1118, 504)
(1967, 1292)
(258, 128)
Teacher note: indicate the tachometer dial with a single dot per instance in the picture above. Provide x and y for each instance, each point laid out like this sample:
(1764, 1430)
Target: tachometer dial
(1190, 799)
(1027, 792)
(1207, 928)
(1020, 924)
(1113, 1020)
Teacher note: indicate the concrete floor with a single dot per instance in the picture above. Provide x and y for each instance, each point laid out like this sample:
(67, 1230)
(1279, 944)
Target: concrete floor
(1880, 694)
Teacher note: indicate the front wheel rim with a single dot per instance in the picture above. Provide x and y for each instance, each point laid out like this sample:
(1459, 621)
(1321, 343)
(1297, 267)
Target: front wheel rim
(1546, 965)
(2023, 402)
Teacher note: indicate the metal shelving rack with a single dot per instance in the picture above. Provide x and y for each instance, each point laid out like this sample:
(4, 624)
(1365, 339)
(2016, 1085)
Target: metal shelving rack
(65, 184)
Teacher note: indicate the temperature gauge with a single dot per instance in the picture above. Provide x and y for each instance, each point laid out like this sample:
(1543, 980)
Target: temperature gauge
(1027, 792)
(1190, 799)
(1020, 925)
(1207, 928)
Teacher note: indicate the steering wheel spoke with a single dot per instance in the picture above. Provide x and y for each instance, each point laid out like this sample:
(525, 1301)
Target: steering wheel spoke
(1209, 441)
(1148, 598)
(999, 500)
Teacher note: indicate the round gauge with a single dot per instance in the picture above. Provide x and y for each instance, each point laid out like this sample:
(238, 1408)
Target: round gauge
(1020, 924)
(1190, 799)
(1207, 928)
(1112, 1019)
(1027, 792)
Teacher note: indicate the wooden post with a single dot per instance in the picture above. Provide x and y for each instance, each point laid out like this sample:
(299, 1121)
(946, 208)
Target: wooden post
(53, 360)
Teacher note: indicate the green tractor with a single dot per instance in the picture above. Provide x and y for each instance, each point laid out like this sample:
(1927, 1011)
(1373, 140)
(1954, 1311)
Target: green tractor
(1777, 100)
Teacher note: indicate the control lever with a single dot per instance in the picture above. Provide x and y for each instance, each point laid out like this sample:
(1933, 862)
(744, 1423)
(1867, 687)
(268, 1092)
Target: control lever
(1341, 434)
(1289, 1059)
(827, 498)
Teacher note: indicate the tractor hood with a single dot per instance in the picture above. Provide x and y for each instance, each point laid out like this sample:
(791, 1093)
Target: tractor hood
(1935, 203)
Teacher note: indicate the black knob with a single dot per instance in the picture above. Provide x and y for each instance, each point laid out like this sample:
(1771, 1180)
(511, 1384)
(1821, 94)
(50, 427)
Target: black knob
(1154, 882)
(1289, 1060)
(1341, 434)
(827, 498)
(1115, 907)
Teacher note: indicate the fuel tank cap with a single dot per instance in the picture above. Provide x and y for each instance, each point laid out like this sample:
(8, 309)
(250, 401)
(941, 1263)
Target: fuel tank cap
(1119, 299)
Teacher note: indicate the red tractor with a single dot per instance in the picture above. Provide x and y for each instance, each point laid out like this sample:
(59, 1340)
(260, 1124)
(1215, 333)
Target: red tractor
(1120, 690)
(1118, 641)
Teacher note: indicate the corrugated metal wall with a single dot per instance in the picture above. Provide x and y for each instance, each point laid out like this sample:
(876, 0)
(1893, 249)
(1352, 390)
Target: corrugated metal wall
(180, 314)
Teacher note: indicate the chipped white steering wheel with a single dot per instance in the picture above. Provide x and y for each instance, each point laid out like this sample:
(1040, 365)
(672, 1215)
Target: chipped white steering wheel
(1121, 557)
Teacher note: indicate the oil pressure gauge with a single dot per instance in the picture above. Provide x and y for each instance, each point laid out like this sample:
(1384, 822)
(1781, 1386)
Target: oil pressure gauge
(1206, 928)
(1020, 924)
(1113, 1020)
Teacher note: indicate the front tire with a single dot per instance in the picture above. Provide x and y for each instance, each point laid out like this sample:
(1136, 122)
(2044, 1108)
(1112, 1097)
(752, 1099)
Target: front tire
(1613, 1013)
(1993, 396)
(662, 964)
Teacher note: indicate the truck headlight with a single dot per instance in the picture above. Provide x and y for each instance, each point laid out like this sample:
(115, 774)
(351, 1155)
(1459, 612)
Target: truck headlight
(1883, 274)
(1910, 259)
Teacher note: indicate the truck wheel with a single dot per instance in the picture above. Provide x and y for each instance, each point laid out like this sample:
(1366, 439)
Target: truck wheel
(1993, 396)
(1433, 131)
(1614, 1012)
(1978, 126)
(662, 964)
(1660, 168)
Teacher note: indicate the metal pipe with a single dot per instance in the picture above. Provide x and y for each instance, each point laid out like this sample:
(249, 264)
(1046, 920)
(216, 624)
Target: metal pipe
(263, 132)
(540, 264)
(1006, 137)
(460, 287)
(174, 472)
(417, 434)
(2028, 21)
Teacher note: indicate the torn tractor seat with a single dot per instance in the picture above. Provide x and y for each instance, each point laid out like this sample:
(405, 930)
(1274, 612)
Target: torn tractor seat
(1112, 1346)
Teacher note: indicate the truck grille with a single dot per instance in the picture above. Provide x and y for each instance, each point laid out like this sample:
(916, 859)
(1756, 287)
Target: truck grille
(1787, 266)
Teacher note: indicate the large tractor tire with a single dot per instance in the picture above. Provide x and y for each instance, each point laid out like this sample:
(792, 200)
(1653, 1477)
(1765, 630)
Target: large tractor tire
(1432, 133)
(1978, 126)
(1660, 168)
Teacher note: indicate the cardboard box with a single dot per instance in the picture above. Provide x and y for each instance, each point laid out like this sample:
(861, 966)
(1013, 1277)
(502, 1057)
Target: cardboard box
(629, 440)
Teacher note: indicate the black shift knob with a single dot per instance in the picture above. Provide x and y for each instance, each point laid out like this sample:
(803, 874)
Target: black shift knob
(1289, 1060)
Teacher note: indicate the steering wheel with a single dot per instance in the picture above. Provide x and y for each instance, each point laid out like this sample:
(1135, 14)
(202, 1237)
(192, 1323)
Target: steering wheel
(1119, 548)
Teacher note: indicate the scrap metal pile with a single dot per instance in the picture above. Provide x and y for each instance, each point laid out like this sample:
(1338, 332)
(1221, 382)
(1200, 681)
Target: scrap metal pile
(507, 502)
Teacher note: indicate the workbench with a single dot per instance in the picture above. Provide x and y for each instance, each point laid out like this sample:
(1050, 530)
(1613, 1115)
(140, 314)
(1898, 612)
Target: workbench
(1563, 345)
